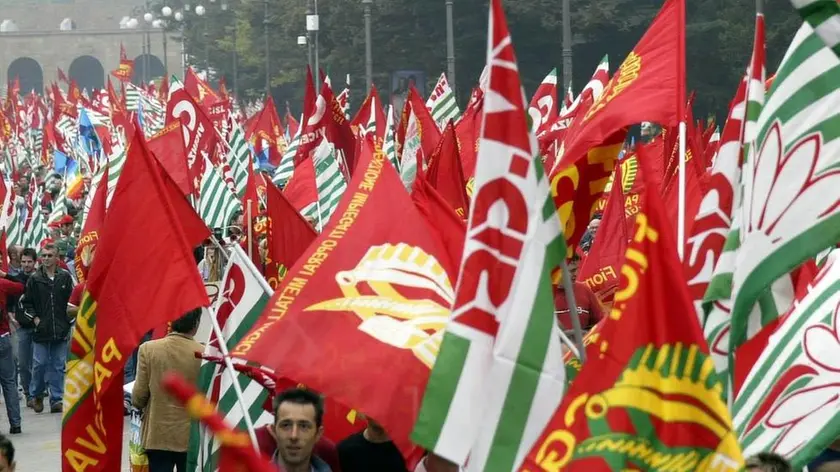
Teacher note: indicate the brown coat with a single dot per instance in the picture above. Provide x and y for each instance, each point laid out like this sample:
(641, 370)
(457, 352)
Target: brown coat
(166, 425)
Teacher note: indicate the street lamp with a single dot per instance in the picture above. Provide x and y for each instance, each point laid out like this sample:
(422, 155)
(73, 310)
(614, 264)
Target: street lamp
(567, 46)
(267, 54)
(368, 52)
(312, 26)
(450, 45)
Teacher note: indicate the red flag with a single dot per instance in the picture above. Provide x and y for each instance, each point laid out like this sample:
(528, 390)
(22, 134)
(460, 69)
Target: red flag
(62, 77)
(648, 383)
(199, 134)
(649, 86)
(291, 123)
(95, 219)
(371, 106)
(200, 90)
(375, 252)
(445, 172)
(601, 267)
(142, 240)
(543, 109)
(268, 129)
(167, 146)
(236, 453)
(328, 122)
(417, 122)
(302, 189)
(467, 130)
(444, 223)
(251, 209)
(288, 237)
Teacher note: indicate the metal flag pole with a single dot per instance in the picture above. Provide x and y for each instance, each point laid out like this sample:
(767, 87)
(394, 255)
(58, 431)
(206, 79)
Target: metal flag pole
(568, 287)
(250, 230)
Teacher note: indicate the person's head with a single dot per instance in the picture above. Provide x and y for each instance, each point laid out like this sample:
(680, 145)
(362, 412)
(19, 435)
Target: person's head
(298, 424)
(14, 256)
(374, 426)
(768, 462)
(572, 264)
(188, 323)
(49, 256)
(7, 455)
(27, 260)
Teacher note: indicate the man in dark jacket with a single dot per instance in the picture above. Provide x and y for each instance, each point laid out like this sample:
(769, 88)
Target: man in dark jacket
(45, 302)
(25, 326)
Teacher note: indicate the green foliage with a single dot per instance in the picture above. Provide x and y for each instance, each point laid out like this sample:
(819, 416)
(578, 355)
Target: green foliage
(410, 34)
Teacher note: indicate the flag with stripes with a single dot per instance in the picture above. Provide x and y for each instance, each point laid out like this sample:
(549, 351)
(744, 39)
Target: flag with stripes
(59, 207)
(442, 103)
(152, 109)
(36, 231)
(217, 203)
(238, 158)
(116, 161)
(330, 184)
(242, 299)
(286, 169)
(13, 223)
(788, 173)
(499, 373)
(390, 143)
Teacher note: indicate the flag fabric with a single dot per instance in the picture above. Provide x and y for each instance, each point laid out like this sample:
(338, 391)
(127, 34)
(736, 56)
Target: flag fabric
(649, 85)
(144, 224)
(93, 222)
(330, 184)
(373, 277)
(36, 230)
(244, 295)
(543, 108)
(167, 146)
(788, 402)
(445, 173)
(787, 174)
(288, 237)
(238, 158)
(286, 169)
(442, 103)
(648, 397)
(217, 203)
(420, 135)
(236, 453)
(200, 136)
(501, 346)
(390, 143)
(824, 17)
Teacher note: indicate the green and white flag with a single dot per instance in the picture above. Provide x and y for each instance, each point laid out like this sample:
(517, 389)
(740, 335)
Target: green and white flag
(330, 184)
(499, 374)
(410, 148)
(217, 203)
(59, 207)
(286, 169)
(238, 158)
(790, 209)
(788, 403)
(36, 231)
(390, 145)
(243, 297)
(442, 103)
(116, 162)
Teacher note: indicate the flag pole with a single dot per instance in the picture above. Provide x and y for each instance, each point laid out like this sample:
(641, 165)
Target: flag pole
(681, 114)
(231, 372)
(568, 287)
(681, 193)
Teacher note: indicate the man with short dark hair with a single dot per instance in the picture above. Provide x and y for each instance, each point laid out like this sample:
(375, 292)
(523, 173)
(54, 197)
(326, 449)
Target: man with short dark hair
(7, 455)
(298, 425)
(165, 433)
(45, 303)
(768, 462)
(26, 326)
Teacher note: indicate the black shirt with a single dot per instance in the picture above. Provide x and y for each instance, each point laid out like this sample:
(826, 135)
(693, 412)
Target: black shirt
(357, 454)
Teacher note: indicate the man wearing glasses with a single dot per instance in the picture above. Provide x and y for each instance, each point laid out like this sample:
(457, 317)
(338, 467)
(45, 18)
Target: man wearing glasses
(45, 303)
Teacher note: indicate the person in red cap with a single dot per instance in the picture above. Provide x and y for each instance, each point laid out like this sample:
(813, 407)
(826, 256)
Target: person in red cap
(65, 242)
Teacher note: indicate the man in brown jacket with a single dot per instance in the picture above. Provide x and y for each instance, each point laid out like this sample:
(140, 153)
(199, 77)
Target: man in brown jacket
(166, 427)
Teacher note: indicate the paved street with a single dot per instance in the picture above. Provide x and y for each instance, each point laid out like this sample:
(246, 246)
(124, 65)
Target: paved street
(38, 449)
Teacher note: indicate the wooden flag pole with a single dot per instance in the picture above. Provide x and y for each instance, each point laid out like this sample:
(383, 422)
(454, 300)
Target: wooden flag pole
(568, 287)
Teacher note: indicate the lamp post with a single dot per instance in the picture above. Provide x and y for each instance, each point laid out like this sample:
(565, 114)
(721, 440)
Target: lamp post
(567, 47)
(167, 13)
(200, 11)
(235, 54)
(368, 52)
(267, 53)
(312, 27)
(450, 45)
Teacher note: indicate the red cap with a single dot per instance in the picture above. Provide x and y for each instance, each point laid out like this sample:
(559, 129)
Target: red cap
(66, 220)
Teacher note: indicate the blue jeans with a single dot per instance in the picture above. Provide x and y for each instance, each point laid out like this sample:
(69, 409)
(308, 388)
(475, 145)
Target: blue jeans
(48, 361)
(8, 380)
(24, 337)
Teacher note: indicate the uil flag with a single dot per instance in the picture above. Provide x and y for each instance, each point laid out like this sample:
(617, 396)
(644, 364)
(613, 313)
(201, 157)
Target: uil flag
(543, 107)
(649, 85)
(500, 368)
(648, 397)
(369, 291)
(94, 220)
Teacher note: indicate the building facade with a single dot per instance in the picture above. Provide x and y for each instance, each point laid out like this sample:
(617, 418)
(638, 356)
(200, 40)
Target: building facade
(83, 39)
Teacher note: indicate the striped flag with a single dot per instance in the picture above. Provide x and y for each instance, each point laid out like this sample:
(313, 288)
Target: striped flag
(499, 373)
(152, 109)
(243, 297)
(824, 17)
(286, 169)
(390, 145)
(217, 203)
(238, 158)
(330, 184)
(442, 103)
(116, 161)
(36, 231)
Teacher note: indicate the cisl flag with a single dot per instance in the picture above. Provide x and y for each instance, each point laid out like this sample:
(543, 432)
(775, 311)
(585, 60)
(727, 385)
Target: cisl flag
(360, 315)
(648, 397)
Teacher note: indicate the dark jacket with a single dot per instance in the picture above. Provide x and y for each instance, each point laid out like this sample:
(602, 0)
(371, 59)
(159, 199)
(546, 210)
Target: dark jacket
(47, 299)
(13, 302)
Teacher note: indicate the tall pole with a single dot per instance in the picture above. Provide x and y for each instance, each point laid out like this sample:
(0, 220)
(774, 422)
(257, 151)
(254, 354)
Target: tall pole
(206, 52)
(310, 35)
(368, 51)
(759, 7)
(567, 47)
(450, 45)
(317, 45)
(235, 62)
(165, 55)
(267, 55)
